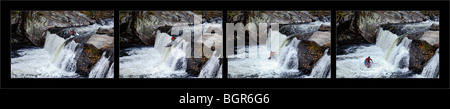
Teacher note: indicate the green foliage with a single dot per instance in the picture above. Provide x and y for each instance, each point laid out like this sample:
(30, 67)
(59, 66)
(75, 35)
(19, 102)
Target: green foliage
(90, 14)
(150, 12)
(198, 12)
(340, 14)
(40, 13)
(230, 14)
(15, 12)
(312, 13)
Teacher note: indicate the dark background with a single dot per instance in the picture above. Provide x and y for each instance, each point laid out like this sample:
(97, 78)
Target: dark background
(283, 92)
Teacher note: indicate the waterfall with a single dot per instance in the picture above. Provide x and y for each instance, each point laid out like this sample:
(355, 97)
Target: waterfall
(63, 51)
(322, 67)
(110, 71)
(283, 64)
(58, 58)
(288, 55)
(211, 67)
(219, 73)
(390, 55)
(173, 56)
(431, 69)
(395, 53)
(100, 69)
(160, 61)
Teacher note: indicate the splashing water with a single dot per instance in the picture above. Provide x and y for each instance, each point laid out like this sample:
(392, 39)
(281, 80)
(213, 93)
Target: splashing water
(167, 62)
(56, 60)
(390, 55)
(284, 64)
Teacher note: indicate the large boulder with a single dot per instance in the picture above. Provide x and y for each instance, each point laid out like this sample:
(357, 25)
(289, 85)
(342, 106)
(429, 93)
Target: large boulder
(92, 50)
(434, 27)
(368, 22)
(34, 24)
(281, 17)
(18, 37)
(362, 26)
(346, 29)
(312, 49)
(107, 31)
(325, 27)
(140, 27)
(422, 50)
(98, 15)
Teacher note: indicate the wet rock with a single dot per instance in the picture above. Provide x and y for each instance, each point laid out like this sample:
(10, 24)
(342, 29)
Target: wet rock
(434, 27)
(98, 16)
(321, 38)
(312, 49)
(346, 32)
(368, 22)
(420, 53)
(431, 37)
(309, 52)
(101, 41)
(361, 26)
(281, 17)
(34, 24)
(128, 34)
(423, 49)
(107, 31)
(140, 27)
(92, 50)
(324, 27)
(18, 38)
(194, 65)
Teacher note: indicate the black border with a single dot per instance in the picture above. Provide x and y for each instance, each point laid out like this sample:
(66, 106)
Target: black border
(441, 83)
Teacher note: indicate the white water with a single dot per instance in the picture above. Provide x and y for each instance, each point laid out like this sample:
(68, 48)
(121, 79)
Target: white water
(56, 60)
(322, 67)
(431, 69)
(110, 71)
(284, 64)
(166, 62)
(211, 67)
(101, 68)
(390, 57)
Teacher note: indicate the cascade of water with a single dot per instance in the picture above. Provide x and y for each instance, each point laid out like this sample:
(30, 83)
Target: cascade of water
(100, 68)
(322, 66)
(57, 59)
(209, 70)
(110, 71)
(431, 69)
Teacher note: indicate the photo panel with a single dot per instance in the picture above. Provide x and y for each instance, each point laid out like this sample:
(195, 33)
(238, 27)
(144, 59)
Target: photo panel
(278, 44)
(387, 44)
(170, 44)
(62, 44)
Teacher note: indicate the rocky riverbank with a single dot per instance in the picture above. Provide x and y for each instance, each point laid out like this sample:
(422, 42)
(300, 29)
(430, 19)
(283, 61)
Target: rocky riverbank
(31, 28)
(299, 24)
(140, 28)
(363, 27)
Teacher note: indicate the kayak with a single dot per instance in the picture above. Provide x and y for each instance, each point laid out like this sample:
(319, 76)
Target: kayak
(367, 64)
(170, 44)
